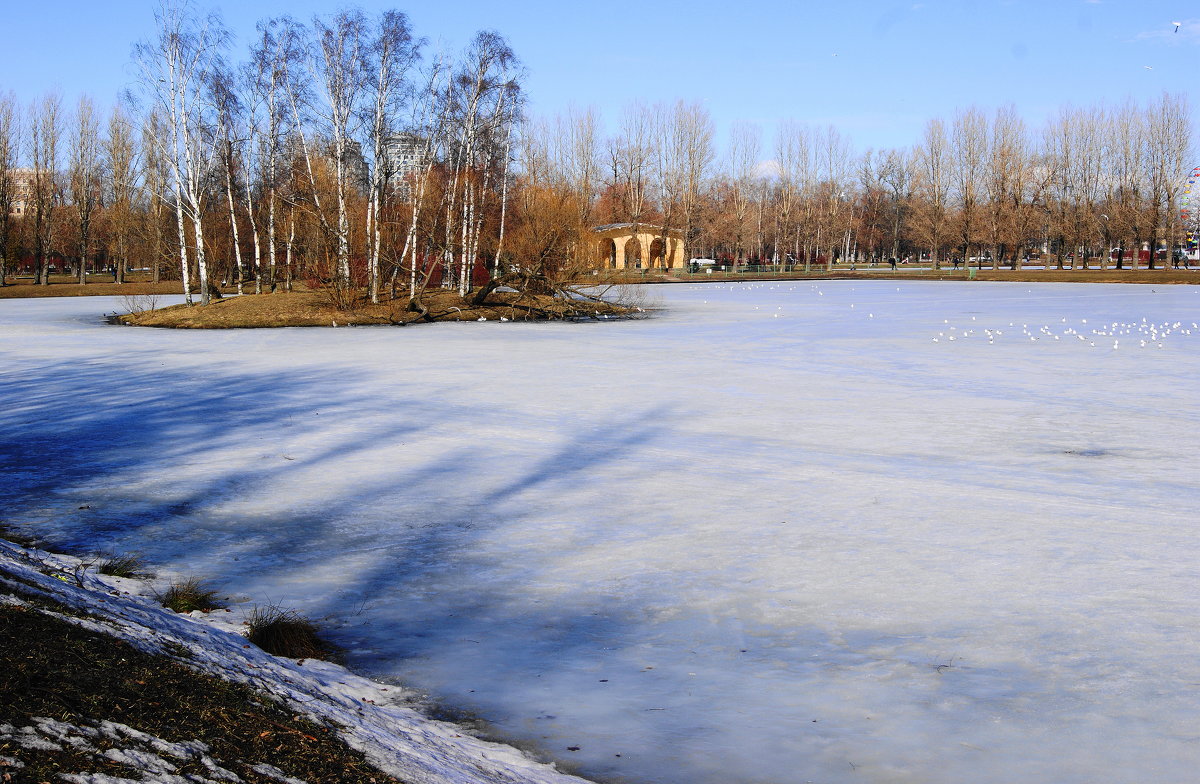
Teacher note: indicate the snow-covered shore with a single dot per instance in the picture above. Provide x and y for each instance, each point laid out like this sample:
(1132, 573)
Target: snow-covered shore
(377, 720)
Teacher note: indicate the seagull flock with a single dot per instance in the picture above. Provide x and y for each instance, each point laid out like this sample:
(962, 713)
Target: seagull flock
(1145, 334)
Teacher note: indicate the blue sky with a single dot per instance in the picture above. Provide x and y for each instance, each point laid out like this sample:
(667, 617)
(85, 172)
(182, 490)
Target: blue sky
(876, 70)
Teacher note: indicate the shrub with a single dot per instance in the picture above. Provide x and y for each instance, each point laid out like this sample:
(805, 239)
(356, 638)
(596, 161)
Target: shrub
(286, 633)
(122, 566)
(189, 595)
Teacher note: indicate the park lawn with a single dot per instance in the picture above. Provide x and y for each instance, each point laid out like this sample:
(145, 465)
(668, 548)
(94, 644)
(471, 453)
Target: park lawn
(97, 286)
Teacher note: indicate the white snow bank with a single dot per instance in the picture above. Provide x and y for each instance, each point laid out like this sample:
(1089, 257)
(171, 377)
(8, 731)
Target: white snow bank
(374, 717)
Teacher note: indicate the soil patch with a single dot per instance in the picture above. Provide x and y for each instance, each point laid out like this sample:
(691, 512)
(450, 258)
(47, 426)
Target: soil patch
(62, 688)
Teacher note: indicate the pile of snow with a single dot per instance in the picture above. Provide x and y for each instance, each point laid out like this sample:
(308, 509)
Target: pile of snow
(373, 718)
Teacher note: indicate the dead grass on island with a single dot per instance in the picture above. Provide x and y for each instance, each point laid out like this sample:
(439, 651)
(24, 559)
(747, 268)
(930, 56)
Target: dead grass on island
(317, 309)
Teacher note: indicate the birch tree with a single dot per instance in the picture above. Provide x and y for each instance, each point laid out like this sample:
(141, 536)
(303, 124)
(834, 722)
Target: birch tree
(337, 66)
(483, 89)
(275, 57)
(230, 141)
(388, 58)
(175, 70)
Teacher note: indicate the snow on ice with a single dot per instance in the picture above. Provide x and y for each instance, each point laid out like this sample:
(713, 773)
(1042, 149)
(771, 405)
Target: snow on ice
(760, 536)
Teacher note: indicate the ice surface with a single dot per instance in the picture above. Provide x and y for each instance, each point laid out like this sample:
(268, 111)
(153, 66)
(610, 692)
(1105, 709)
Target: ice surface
(777, 533)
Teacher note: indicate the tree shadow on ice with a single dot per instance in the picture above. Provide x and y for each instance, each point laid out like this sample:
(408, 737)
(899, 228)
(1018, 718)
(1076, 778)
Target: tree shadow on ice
(115, 456)
(97, 453)
(125, 457)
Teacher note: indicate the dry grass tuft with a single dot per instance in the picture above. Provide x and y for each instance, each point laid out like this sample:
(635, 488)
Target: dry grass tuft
(189, 595)
(286, 633)
(122, 566)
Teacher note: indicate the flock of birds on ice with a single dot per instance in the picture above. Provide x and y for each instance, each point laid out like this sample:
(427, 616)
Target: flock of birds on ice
(1145, 334)
(1137, 334)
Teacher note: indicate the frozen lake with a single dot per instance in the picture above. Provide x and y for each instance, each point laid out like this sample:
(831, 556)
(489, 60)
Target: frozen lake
(777, 533)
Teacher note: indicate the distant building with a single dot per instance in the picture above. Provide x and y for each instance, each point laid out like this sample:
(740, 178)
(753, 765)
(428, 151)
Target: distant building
(404, 160)
(22, 195)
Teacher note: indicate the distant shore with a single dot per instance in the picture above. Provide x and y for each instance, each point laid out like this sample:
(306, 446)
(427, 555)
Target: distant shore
(102, 285)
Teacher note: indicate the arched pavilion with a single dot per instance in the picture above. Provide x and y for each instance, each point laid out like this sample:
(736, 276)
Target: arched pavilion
(638, 246)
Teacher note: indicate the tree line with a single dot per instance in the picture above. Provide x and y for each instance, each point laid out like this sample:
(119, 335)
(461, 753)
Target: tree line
(344, 154)
(1095, 182)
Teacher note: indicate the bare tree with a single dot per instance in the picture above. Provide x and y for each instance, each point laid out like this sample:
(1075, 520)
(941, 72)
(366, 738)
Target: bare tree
(120, 162)
(1089, 174)
(833, 166)
(968, 154)
(482, 110)
(582, 161)
(745, 140)
(156, 184)
(1168, 143)
(429, 115)
(45, 134)
(694, 144)
(10, 130)
(932, 169)
(84, 176)
(1128, 162)
(794, 155)
(629, 156)
(895, 173)
(1006, 171)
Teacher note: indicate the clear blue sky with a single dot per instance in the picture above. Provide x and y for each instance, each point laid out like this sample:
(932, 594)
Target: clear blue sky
(877, 70)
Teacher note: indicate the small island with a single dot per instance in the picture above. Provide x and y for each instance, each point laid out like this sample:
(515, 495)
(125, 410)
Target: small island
(321, 308)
